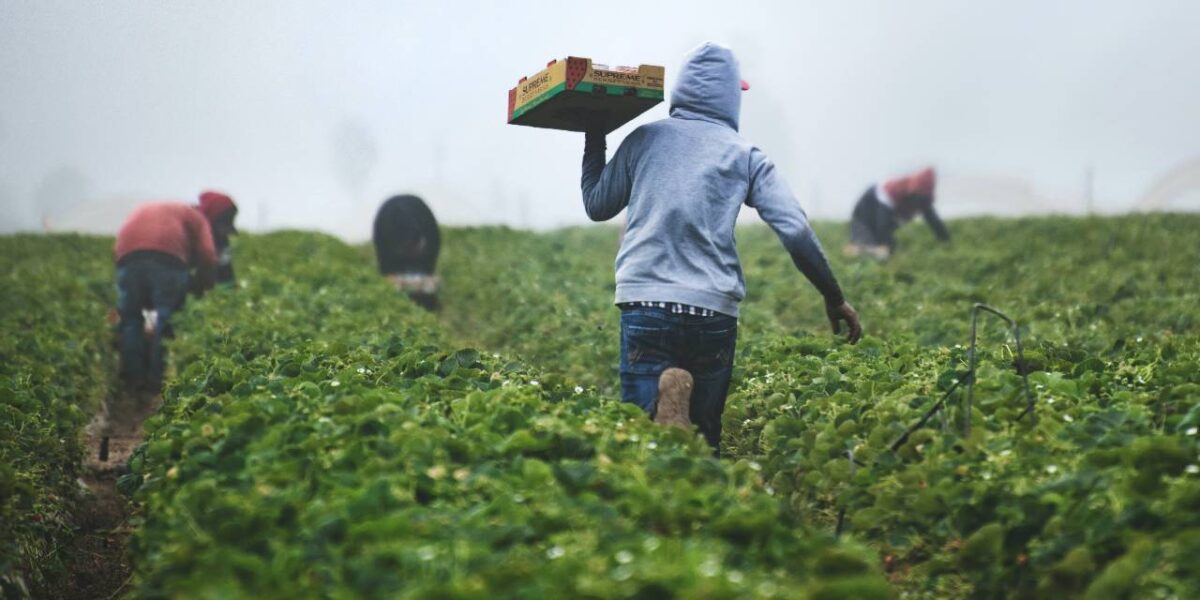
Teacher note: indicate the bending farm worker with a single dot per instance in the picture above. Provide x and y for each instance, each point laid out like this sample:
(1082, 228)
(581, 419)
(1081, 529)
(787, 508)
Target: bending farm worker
(683, 180)
(885, 207)
(221, 211)
(407, 243)
(156, 251)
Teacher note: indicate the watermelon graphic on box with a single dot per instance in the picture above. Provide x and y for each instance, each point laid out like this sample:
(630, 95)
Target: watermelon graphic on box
(566, 92)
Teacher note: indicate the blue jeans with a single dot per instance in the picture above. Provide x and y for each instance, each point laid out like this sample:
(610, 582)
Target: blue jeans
(151, 282)
(654, 339)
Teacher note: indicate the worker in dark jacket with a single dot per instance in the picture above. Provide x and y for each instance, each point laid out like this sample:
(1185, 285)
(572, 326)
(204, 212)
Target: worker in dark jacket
(223, 211)
(162, 250)
(682, 182)
(406, 245)
(885, 207)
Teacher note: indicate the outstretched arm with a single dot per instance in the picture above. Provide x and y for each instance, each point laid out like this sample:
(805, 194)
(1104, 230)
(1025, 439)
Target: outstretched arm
(935, 223)
(203, 251)
(770, 196)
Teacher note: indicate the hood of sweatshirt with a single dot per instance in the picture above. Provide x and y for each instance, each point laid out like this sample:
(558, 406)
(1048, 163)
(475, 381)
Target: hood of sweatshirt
(709, 87)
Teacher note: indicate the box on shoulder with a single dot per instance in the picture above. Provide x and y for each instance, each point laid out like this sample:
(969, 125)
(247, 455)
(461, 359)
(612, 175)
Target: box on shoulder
(570, 93)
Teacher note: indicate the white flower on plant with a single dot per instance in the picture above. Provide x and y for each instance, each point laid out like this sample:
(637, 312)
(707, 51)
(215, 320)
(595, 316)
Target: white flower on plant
(1051, 469)
(1068, 418)
(578, 389)
(555, 552)
(652, 445)
(334, 383)
(1192, 469)
(534, 382)
(1192, 430)
(624, 557)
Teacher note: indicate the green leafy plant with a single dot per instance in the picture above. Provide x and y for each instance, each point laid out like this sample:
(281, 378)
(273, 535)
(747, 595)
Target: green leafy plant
(1074, 504)
(55, 369)
(320, 440)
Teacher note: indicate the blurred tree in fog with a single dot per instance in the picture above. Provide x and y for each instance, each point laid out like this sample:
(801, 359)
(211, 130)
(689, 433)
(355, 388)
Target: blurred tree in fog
(60, 191)
(354, 155)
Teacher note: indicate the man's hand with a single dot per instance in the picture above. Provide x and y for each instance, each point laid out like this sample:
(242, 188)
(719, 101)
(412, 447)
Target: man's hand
(844, 312)
(202, 280)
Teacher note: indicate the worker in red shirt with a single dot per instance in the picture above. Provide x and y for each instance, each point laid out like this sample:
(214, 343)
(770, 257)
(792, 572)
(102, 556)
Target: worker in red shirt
(163, 250)
(885, 207)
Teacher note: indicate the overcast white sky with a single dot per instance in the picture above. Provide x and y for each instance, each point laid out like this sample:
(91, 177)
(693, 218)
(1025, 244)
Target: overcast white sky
(311, 113)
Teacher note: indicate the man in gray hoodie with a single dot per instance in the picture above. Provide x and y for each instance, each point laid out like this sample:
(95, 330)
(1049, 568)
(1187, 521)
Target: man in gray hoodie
(679, 280)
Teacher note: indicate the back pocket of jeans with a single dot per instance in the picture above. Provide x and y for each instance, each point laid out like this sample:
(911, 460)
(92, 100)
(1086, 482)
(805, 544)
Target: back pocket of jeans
(646, 350)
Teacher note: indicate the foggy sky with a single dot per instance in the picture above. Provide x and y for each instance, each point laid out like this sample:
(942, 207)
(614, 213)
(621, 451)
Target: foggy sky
(311, 113)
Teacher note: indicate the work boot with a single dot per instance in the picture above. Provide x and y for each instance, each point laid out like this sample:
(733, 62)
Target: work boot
(674, 398)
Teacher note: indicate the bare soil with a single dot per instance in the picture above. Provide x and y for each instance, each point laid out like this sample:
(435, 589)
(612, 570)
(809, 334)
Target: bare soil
(97, 564)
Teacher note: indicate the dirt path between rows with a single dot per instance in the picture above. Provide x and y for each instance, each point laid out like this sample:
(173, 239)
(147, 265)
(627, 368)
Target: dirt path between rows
(96, 561)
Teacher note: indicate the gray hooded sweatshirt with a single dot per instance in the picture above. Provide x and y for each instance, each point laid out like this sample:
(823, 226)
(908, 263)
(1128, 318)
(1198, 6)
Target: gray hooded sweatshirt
(684, 179)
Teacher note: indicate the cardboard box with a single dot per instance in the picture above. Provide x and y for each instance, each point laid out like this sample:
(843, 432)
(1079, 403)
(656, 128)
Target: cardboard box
(566, 92)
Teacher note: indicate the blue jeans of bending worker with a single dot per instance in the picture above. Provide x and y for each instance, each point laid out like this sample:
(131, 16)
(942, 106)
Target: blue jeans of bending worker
(655, 339)
(147, 281)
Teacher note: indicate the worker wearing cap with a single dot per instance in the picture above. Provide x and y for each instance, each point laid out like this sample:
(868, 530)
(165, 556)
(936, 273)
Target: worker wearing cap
(885, 207)
(162, 250)
(682, 181)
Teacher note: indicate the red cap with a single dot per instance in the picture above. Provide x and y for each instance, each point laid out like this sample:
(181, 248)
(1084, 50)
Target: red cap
(745, 85)
(212, 204)
(924, 181)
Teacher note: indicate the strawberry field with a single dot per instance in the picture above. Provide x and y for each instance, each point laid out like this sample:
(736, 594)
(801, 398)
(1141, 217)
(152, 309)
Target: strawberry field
(1096, 493)
(321, 436)
(55, 369)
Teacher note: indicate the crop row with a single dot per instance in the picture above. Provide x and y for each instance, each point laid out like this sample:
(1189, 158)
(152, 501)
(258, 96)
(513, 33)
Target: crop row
(55, 369)
(1099, 495)
(318, 440)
